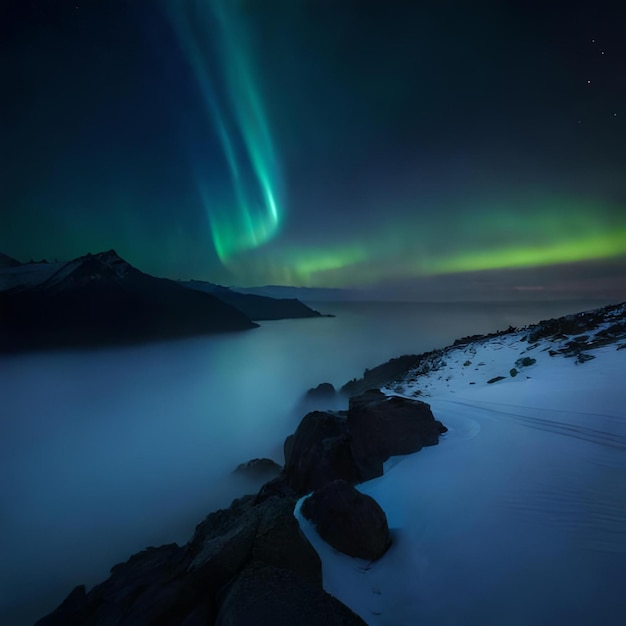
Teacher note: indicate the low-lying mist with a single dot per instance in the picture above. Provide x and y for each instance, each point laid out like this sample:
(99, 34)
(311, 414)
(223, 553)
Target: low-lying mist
(105, 452)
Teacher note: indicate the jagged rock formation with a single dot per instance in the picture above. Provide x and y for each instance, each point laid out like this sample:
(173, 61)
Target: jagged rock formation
(248, 564)
(101, 299)
(320, 452)
(323, 391)
(264, 468)
(354, 444)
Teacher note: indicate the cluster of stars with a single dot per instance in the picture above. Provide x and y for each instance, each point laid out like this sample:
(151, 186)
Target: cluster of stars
(589, 81)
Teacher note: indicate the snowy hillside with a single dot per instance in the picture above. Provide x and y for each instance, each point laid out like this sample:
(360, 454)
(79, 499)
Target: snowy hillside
(519, 516)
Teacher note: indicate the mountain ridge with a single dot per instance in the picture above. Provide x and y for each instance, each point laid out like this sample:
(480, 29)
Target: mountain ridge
(100, 299)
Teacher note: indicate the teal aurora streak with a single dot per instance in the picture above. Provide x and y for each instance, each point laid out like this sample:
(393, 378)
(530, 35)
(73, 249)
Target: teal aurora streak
(213, 37)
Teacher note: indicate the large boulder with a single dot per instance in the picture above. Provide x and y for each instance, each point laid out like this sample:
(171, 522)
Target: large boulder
(265, 595)
(348, 520)
(319, 452)
(382, 426)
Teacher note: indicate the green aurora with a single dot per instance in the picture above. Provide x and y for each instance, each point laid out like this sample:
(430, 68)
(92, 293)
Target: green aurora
(538, 234)
(250, 216)
(321, 144)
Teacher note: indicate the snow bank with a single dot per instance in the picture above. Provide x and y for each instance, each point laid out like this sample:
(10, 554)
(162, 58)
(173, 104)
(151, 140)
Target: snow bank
(518, 517)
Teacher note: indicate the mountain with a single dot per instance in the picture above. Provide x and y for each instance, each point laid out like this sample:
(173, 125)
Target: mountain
(7, 261)
(101, 299)
(310, 294)
(256, 307)
(26, 274)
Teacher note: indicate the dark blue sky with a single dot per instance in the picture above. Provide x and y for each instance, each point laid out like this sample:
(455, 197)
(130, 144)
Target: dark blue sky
(319, 142)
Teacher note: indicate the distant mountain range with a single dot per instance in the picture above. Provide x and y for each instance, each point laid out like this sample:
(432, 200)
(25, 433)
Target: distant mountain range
(256, 307)
(100, 299)
(310, 294)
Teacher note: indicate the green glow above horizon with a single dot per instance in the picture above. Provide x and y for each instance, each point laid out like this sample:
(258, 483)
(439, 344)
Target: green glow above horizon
(252, 214)
(540, 234)
(586, 248)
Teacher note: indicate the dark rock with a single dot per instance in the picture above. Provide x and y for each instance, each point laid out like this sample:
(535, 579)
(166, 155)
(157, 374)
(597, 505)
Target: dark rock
(382, 426)
(323, 391)
(280, 542)
(264, 529)
(288, 448)
(384, 374)
(259, 468)
(583, 357)
(265, 595)
(513, 372)
(319, 452)
(495, 379)
(525, 361)
(174, 585)
(222, 544)
(276, 487)
(348, 520)
(66, 612)
(145, 590)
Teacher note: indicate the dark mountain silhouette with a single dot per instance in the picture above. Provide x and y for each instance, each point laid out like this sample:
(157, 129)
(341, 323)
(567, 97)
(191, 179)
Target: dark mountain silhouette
(102, 299)
(256, 307)
(8, 261)
(311, 294)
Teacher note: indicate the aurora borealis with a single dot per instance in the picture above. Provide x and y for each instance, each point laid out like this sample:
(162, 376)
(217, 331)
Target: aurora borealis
(215, 45)
(355, 143)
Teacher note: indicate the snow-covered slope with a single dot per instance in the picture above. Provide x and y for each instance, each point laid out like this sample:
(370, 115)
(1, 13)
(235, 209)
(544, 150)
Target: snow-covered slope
(26, 275)
(518, 517)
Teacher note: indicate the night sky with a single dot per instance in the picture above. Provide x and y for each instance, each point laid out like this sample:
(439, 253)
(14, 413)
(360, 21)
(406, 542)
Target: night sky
(424, 148)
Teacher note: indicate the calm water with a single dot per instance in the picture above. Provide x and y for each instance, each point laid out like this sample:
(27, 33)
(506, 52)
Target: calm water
(105, 452)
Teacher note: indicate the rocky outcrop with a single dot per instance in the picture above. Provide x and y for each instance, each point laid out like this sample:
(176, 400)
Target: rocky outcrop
(382, 426)
(259, 468)
(323, 391)
(353, 445)
(265, 595)
(147, 589)
(348, 520)
(196, 583)
(383, 374)
(319, 452)
(250, 563)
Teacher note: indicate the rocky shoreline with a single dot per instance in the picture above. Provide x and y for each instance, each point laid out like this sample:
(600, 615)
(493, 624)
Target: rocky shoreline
(250, 563)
